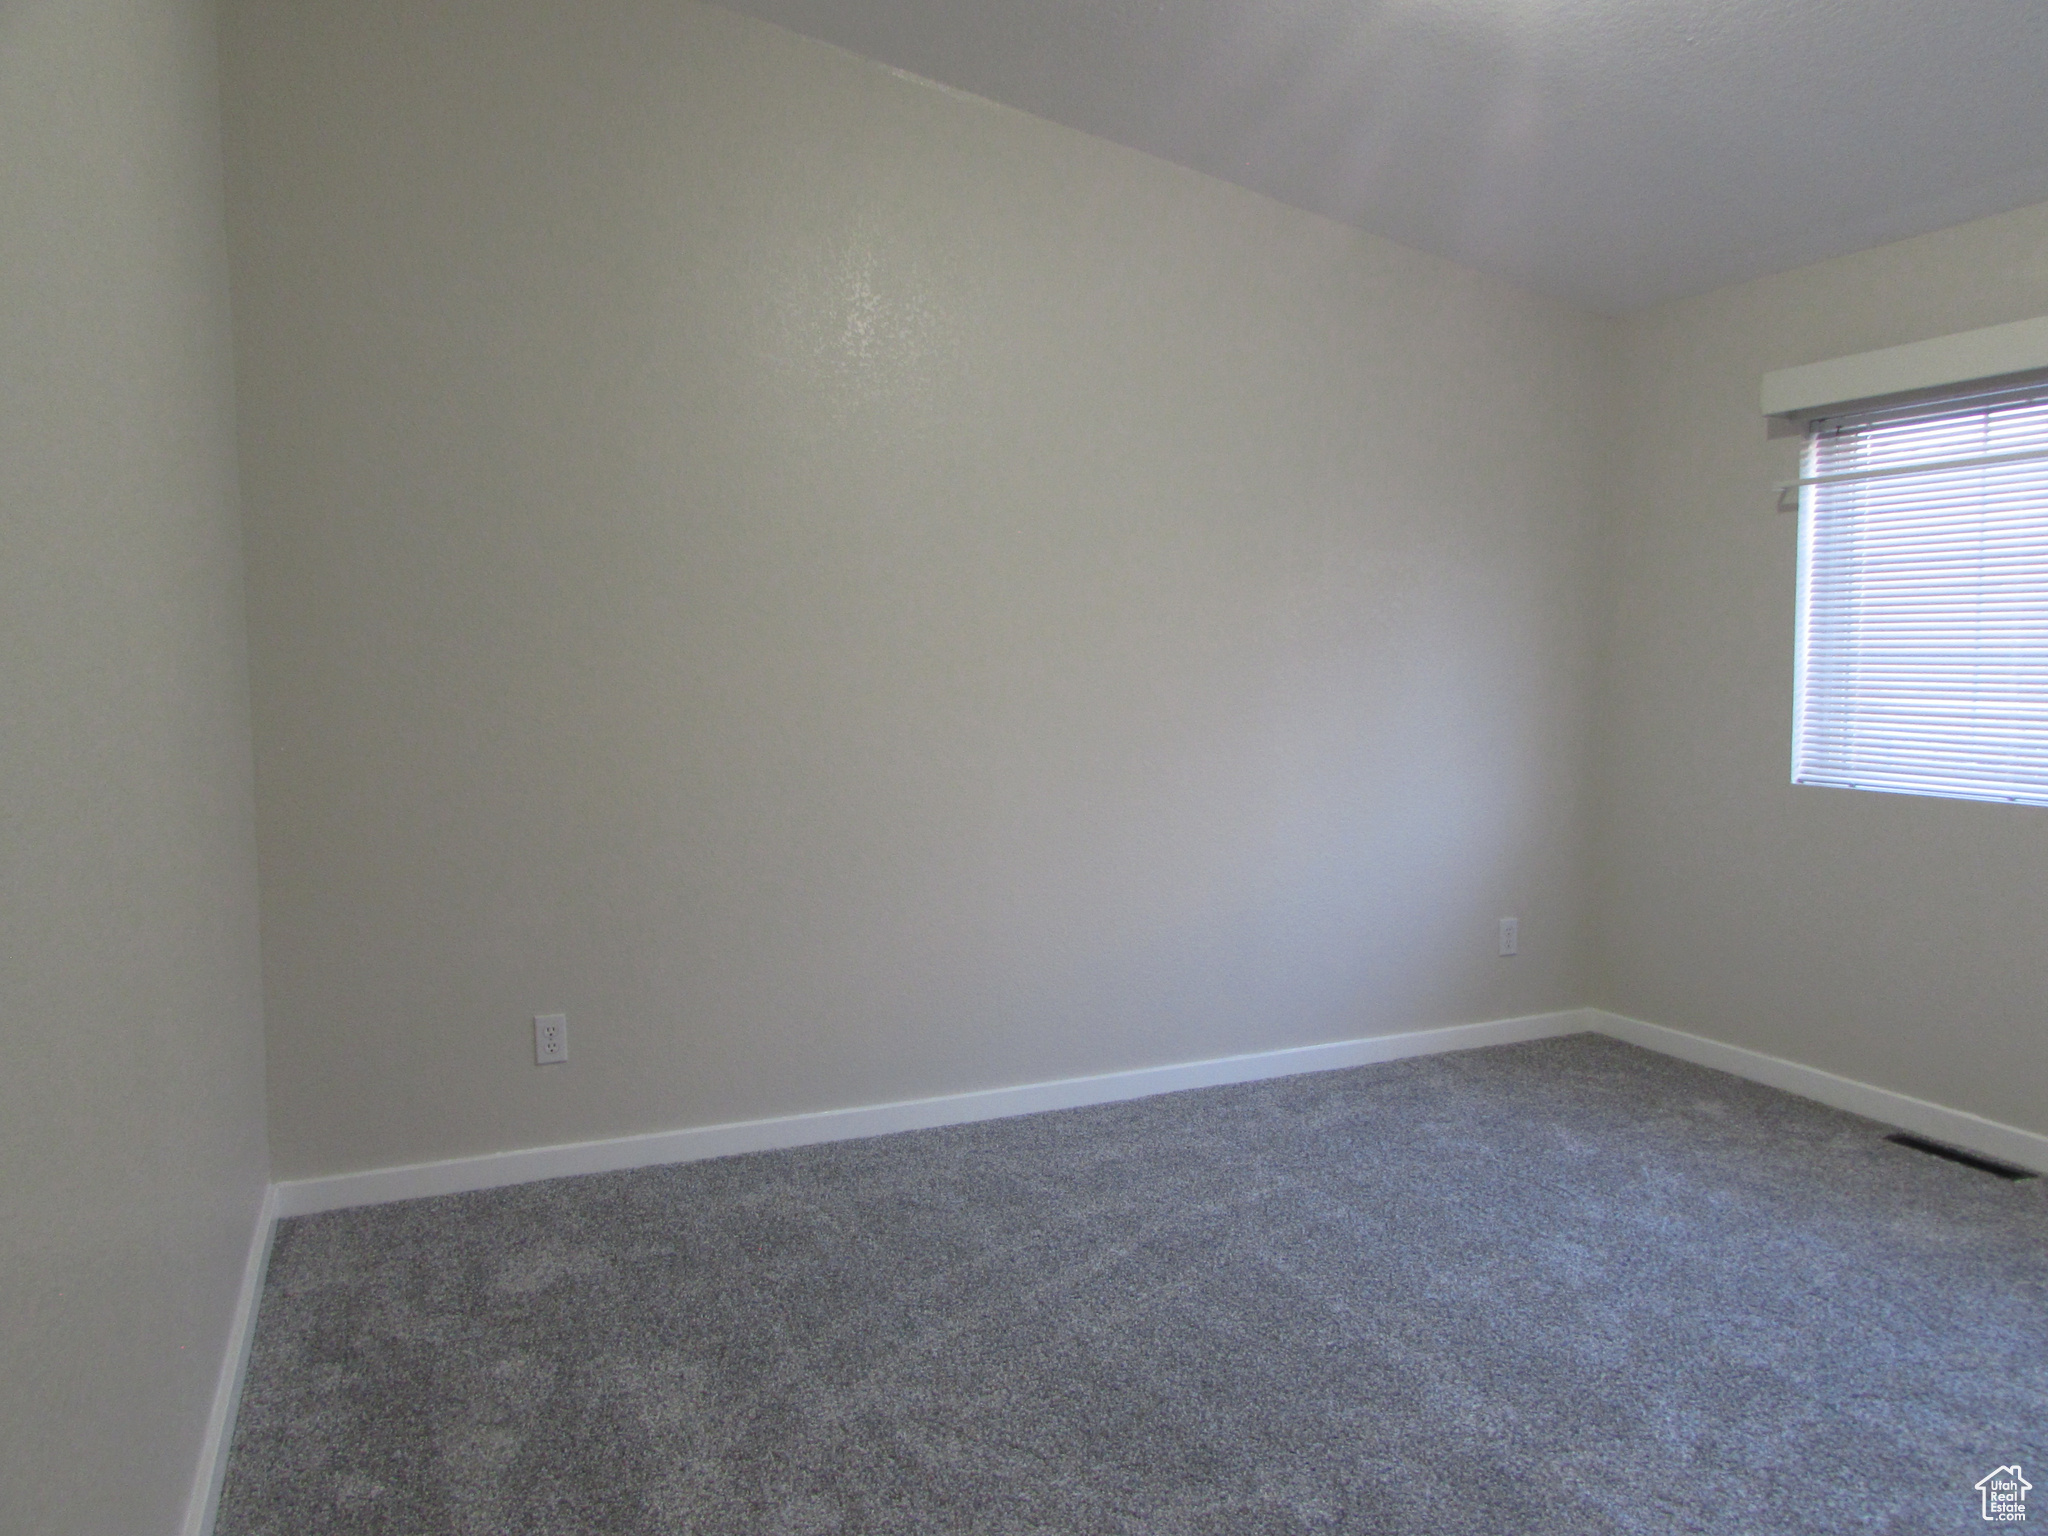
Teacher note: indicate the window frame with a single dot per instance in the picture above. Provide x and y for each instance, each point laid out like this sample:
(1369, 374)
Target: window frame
(1913, 757)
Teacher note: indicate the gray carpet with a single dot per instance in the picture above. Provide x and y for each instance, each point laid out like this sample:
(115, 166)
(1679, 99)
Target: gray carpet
(1561, 1287)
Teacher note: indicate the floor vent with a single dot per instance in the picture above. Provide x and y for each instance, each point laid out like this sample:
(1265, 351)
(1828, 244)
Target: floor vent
(1958, 1155)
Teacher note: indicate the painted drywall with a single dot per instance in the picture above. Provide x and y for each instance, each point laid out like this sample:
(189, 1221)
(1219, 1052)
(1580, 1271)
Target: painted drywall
(851, 592)
(131, 1100)
(1889, 938)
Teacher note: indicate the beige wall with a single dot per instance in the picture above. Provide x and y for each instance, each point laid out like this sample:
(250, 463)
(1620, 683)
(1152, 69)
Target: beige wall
(1889, 938)
(131, 1099)
(855, 593)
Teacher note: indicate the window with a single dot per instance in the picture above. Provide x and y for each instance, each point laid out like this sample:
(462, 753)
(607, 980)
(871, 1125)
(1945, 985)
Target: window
(1923, 598)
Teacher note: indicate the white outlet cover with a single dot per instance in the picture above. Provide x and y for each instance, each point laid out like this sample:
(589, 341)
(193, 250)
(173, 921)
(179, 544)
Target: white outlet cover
(550, 1038)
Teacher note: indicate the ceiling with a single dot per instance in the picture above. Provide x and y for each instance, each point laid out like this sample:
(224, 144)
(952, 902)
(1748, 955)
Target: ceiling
(1614, 153)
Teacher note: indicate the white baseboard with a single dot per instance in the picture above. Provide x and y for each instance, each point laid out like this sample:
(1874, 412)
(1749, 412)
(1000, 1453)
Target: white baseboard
(304, 1197)
(204, 1503)
(1937, 1122)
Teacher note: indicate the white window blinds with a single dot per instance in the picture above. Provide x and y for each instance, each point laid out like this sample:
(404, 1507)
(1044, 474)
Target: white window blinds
(1923, 587)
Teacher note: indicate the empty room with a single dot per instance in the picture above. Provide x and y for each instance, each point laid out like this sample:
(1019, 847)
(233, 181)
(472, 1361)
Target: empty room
(865, 766)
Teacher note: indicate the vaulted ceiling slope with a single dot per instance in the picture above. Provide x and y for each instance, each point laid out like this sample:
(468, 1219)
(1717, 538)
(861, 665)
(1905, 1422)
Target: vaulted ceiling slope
(1614, 153)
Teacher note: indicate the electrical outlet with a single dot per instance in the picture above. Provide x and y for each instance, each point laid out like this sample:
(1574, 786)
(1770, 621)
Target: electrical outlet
(550, 1038)
(1510, 936)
